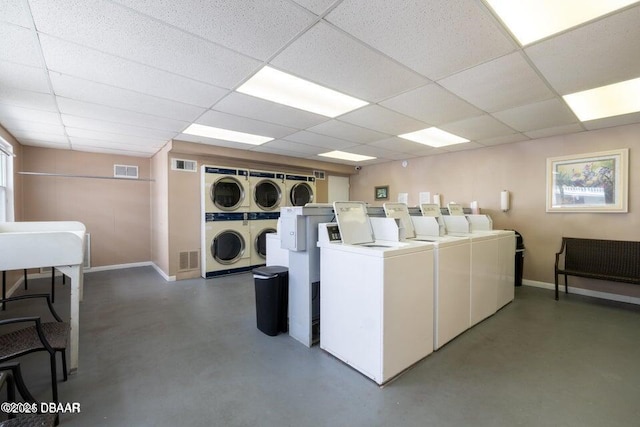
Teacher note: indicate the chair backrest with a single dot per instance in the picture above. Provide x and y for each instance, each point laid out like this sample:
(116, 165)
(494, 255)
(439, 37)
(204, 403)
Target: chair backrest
(609, 257)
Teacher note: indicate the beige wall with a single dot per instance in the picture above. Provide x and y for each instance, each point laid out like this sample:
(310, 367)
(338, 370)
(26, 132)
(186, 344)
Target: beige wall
(115, 212)
(520, 168)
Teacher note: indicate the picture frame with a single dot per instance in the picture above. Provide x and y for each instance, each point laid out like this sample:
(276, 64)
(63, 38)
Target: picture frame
(590, 182)
(381, 192)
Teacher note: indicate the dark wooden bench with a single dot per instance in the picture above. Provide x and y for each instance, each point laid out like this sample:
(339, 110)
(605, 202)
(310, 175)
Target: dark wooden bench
(614, 260)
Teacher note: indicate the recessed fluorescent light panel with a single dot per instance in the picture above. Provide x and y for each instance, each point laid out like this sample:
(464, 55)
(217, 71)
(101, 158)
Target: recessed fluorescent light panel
(226, 135)
(606, 101)
(433, 137)
(531, 20)
(346, 156)
(283, 88)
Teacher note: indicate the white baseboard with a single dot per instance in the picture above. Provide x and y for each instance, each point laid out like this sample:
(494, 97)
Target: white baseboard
(581, 291)
(164, 275)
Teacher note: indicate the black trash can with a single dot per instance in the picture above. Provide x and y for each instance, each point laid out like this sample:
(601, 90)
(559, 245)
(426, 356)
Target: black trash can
(519, 259)
(272, 297)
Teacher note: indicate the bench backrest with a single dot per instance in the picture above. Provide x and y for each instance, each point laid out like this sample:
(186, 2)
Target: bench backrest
(610, 257)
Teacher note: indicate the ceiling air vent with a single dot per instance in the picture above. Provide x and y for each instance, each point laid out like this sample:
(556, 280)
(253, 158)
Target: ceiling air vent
(125, 171)
(319, 175)
(184, 165)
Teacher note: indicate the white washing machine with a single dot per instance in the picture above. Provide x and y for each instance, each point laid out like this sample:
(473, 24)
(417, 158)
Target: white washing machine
(261, 224)
(268, 191)
(376, 302)
(452, 269)
(224, 189)
(301, 189)
(490, 270)
(226, 244)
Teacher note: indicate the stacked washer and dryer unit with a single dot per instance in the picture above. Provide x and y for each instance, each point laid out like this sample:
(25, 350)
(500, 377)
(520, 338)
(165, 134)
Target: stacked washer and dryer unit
(239, 208)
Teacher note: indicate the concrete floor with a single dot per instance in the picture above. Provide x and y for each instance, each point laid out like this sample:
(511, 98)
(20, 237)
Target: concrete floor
(188, 353)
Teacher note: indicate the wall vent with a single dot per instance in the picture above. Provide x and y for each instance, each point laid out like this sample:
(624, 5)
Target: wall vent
(189, 260)
(125, 171)
(320, 175)
(184, 165)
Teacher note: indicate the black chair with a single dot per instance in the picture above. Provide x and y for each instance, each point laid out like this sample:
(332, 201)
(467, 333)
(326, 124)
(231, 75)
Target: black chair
(26, 285)
(11, 375)
(51, 337)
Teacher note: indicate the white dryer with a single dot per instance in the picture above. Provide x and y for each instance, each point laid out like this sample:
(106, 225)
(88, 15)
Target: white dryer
(301, 189)
(261, 224)
(226, 244)
(224, 189)
(268, 190)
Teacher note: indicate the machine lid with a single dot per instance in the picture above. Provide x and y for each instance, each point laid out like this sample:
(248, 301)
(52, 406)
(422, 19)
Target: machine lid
(228, 247)
(227, 193)
(400, 211)
(430, 209)
(267, 194)
(301, 194)
(353, 222)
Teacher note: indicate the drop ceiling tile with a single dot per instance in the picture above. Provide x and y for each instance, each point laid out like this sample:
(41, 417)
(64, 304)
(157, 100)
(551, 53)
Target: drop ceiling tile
(88, 145)
(89, 64)
(432, 104)
(496, 85)
(125, 33)
(383, 120)
(70, 87)
(15, 12)
(327, 56)
(27, 99)
(256, 28)
(243, 124)
(601, 53)
(315, 6)
(405, 146)
(115, 128)
(625, 119)
(19, 45)
(9, 113)
(23, 77)
(291, 147)
(435, 38)
(377, 152)
(477, 128)
(44, 144)
(114, 137)
(240, 104)
(271, 150)
(556, 130)
(58, 138)
(461, 147)
(347, 131)
(516, 137)
(323, 141)
(116, 115)
(213, 141)
(29, 126)
(541, 115)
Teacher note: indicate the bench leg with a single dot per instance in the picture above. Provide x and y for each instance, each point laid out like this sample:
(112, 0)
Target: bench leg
(566, 285)
(556, 286)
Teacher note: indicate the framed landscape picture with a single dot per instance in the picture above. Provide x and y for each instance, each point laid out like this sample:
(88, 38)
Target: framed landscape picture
(382, 192)
(591, 182)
